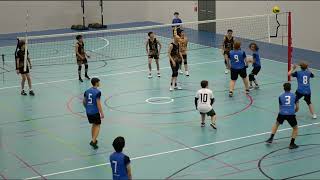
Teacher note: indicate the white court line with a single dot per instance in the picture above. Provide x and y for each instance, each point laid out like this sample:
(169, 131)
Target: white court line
(170, 152)
(170, 100)
(104, 75)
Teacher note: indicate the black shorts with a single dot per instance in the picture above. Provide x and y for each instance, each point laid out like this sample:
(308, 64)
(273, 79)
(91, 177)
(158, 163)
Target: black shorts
(21, 70)
(226, 52)
(80, 62)
(185, 59)
(290, 118)
(94, 118)
(256, 70)
(153, 56)
(307, 97)
(236, 72)
(211, 113)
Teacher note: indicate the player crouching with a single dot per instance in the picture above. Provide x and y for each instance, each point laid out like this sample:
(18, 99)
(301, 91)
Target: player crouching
(203, 101)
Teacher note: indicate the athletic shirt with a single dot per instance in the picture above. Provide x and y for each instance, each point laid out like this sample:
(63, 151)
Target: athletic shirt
(287, 103)
(80, 48)
(204, 97)
(153, 46)
(175, 51)
(119, 163)
(256, 57)
(228, 43)
(183, 45)
(92, 95)
(303, 78)
(20, 54)
(237, 59)
(176, 21)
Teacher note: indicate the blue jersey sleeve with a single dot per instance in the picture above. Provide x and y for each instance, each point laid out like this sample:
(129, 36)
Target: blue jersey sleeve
(98, 95)
(244, 55)
(280, 101)
(295, 74)
(126, 160)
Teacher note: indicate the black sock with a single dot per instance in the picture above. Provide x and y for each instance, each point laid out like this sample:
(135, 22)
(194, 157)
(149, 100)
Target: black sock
(292, 141)
(79, 73)
(272, 136)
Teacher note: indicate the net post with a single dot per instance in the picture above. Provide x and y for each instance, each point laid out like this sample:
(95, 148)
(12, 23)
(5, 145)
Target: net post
(101, 11)
(2, 56)
(289, 44)
(83, 14)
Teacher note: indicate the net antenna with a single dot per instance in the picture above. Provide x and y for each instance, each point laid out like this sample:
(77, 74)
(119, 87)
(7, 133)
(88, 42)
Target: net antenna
(278, 26)
(101, 11)
(83, 14)
(26, 44)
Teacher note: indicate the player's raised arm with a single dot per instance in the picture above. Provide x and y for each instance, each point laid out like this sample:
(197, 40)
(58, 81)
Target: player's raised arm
(292, 70)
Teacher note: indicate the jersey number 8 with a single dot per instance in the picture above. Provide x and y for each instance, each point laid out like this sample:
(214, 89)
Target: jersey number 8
(236, 57)
(305, 80)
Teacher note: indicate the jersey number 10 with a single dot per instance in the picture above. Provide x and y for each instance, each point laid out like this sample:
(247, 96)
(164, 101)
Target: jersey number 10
(204, 98)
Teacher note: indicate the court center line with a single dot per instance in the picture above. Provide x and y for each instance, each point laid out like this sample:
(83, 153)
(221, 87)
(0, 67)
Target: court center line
(172, 151)
(104, 75)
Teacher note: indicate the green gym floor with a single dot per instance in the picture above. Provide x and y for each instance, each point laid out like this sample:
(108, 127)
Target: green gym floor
(47, 136)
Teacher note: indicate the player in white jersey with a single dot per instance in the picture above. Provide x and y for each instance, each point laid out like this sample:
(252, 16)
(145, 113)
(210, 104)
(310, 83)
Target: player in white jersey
(203, 101)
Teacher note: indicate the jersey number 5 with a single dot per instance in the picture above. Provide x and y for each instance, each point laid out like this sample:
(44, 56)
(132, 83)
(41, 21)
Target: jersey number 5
(89, 98)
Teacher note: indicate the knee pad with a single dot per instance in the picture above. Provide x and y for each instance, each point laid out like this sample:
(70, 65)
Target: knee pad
(79, 68)
(308, 101)
(175, 74)
(251, 77)
(86, 66)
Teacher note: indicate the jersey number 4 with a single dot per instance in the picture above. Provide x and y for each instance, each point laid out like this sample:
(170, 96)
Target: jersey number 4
(204, 98)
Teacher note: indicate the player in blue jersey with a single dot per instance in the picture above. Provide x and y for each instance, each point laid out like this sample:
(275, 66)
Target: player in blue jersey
(120, 163)
(92, 103)
(287, 112)
(176, 20)
(303, 77)
(238, 66)
(256, 63)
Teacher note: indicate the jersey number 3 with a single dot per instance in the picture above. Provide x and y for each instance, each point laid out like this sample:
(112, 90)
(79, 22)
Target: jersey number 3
(288, 100)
